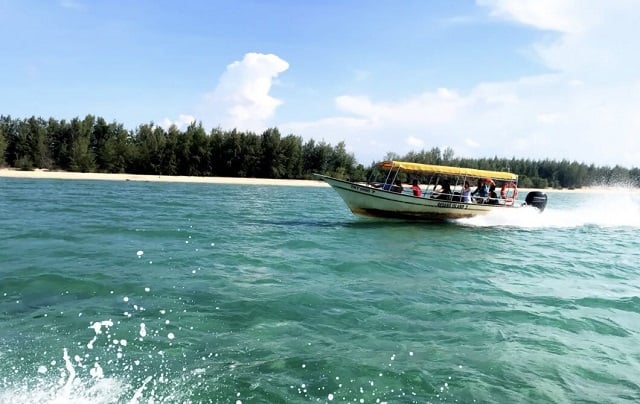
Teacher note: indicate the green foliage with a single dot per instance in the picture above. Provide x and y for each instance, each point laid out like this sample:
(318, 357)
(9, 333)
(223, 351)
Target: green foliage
(110, 146)
(24, 164)
(35, 147)
(525, 182)
(3, 145)
(291, 147)
(538, 182)
(272, 162)
(81, 157)
(91, 144)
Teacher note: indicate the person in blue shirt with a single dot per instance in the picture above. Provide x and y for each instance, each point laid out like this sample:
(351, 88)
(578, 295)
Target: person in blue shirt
(388, 185)
(482, 191)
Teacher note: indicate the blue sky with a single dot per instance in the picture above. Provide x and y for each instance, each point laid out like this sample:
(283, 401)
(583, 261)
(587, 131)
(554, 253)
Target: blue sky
(536, 79)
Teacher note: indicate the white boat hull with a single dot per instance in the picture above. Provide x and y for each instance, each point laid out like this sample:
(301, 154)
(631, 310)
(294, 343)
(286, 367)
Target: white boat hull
(365, 200)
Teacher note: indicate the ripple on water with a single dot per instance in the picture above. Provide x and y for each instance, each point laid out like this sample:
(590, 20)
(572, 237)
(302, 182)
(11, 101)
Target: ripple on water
(208, 293)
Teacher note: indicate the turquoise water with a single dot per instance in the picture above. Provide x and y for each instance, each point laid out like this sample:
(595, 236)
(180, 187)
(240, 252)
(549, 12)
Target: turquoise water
(131, 292)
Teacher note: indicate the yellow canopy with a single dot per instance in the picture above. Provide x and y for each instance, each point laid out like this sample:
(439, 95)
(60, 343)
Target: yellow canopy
(446, 170)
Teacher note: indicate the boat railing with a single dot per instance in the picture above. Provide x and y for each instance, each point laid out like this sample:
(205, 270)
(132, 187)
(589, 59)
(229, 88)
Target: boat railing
(430, 182)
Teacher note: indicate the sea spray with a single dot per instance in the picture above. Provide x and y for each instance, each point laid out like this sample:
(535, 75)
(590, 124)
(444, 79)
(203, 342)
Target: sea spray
(615, 209)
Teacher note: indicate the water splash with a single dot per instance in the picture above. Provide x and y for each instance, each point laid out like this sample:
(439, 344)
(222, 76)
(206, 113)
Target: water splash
(75, 390)
(612, 209)
(105, 369)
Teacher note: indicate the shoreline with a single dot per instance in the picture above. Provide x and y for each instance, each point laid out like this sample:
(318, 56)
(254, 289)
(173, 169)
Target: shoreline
(68, 175)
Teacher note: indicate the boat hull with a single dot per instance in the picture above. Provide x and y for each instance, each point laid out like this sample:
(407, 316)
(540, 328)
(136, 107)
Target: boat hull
(365, 200)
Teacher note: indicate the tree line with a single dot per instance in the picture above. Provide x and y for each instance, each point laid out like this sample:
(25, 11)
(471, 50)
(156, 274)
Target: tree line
(94, 145)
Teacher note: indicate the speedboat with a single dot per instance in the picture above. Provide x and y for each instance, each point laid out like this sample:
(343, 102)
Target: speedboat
(437, 192)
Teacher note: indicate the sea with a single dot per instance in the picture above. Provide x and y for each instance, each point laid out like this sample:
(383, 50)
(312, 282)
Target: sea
(151, 292)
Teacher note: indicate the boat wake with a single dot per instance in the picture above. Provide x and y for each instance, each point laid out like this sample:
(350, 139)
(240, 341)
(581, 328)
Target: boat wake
(604, 210)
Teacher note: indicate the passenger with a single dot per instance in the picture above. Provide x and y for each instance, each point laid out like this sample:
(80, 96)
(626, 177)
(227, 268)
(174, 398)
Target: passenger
(444, 192)
(482, 191)
(493, 196)
(466, 192)
(397, 186)
(387, 185)
(416, 188)
(446, 188)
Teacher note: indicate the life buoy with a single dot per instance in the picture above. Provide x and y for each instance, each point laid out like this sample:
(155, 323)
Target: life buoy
(508, 199)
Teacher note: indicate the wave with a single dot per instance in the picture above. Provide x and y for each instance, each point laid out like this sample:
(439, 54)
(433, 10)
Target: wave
(603, 210)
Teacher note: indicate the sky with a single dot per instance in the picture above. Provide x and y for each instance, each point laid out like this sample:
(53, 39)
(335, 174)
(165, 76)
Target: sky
(536, 79)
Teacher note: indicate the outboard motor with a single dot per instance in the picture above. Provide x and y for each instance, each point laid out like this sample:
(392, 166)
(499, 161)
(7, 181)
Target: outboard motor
(537, 199)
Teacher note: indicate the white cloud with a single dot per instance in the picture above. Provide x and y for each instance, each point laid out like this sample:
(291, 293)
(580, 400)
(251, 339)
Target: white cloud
(554, 15)
(181, 123)
(428, 108)
(593, 37)
(471, 143)
(415, 142)
(586, 109)
(241, 99)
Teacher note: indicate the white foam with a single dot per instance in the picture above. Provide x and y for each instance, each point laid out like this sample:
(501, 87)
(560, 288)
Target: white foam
(97, 371)
(99, 391)
(70, 369)
(97, 326)
(605, 210)
(138, 392)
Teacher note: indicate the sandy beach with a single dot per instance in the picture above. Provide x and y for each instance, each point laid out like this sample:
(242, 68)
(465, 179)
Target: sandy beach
(65, 175)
